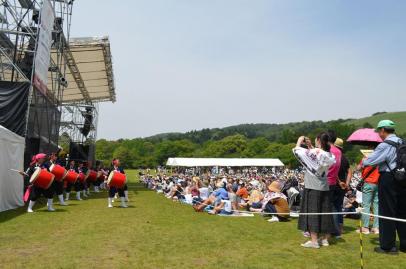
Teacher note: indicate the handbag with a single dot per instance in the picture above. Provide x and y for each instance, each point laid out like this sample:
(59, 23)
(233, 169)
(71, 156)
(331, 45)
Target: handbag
(360, 184)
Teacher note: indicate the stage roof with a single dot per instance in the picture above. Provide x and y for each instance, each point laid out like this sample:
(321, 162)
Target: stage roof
(233, 162)
(90, 71)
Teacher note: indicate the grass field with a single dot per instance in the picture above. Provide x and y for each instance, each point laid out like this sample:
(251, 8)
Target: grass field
(157, 233)
(398, 117)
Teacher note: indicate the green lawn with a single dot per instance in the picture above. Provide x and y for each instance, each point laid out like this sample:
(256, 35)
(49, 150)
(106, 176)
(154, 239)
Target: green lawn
(398, 117)
(157, 233)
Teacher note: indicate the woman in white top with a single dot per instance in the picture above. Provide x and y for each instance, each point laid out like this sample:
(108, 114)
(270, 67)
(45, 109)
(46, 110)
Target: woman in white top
(315, 197)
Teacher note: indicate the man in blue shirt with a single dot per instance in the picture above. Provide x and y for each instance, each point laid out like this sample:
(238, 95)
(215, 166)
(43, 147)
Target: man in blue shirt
(392, 197)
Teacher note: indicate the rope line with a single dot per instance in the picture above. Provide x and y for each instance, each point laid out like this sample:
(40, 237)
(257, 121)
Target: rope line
(358, 212)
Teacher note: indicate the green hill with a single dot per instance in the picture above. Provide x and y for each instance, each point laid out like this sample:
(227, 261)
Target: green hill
(398, 117)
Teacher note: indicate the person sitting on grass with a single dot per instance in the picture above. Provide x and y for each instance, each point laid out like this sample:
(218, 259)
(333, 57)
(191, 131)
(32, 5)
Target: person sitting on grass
(243, 193)
(227, 207)
(215, 198)
(276, 202)
(254, 203)
(350, 204)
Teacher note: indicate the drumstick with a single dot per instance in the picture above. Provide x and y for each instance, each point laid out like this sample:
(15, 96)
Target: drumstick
(18, 171)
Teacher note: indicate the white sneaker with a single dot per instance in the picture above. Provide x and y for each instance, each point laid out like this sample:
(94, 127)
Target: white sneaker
(324, 243)
(273, 219)
(29, 210)
(310, 244)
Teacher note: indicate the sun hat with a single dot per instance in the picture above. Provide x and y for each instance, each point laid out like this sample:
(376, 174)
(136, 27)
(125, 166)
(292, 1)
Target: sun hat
(388, 124)
(254, 183)
(366, 152)
(339, 143)
(275, 187)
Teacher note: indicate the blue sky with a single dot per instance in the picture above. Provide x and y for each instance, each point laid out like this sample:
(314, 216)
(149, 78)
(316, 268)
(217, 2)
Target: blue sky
(188, 64)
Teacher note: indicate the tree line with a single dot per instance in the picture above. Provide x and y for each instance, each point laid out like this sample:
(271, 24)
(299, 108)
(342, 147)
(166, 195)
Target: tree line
(241, 141)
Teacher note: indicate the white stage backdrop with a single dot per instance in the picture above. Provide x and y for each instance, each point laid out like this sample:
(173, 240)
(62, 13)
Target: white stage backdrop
(11, 157)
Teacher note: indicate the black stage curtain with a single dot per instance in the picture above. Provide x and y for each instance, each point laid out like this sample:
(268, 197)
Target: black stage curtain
(14, 105)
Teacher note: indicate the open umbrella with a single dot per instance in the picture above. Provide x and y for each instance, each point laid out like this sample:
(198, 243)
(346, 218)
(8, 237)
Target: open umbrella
(365, 137)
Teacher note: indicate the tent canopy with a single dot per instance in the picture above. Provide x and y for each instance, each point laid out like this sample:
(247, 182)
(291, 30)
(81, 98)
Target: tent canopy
(232, 162)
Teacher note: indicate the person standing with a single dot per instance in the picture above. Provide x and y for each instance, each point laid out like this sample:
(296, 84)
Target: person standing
(77, 185)
(344, 180)
(392, 196)
(113, 190)
(38, 162)
(332, 178)
(56, 184)
(370, 197)
(315, 198)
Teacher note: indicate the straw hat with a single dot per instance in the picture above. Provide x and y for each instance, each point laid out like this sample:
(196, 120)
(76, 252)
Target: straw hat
(275, 187)
(339, 143)
(366, 152)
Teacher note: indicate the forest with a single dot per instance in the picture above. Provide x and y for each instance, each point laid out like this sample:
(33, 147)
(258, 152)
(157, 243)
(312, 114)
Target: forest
(241, 141)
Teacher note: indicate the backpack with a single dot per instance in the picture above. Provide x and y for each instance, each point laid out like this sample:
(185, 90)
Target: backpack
(399, 172)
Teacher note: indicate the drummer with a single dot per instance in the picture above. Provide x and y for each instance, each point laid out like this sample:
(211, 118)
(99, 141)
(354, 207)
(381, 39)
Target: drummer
(56, 184)
(82, 168)
(77, 185)
(100, 177)
(113, 190)
(89, 181)
(38, 161)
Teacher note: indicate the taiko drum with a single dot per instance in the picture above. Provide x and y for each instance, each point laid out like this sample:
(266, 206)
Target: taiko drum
(58, 171)
(42, 178)
(101, 176)
(116, 179)
(82, 177)
(71, 177)
(91, 175)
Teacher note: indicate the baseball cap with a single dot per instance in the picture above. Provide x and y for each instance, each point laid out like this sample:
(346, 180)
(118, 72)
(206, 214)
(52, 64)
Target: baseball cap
(388, 124)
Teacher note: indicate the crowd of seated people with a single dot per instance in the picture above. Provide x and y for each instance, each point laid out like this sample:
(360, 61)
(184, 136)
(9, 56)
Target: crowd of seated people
(273, 193)
(232, 192)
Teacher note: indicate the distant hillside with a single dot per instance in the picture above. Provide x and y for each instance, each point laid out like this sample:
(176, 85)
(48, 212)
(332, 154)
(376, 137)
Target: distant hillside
(245, 140)
(282, 133)
(398, 117)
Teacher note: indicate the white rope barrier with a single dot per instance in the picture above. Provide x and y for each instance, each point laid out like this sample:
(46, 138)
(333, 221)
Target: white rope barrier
(384, 217)
(296, 214)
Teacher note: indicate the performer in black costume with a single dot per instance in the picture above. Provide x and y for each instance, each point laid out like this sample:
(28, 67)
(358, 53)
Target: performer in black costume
(38, 161)
(78, 185)
(57, 185)
(114, 190)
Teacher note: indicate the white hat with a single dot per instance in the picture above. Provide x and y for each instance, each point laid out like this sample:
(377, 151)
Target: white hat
(254, 183)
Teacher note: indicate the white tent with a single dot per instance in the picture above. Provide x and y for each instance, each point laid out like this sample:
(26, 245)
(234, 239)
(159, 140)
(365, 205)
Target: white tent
(12, 157)
(223, 162)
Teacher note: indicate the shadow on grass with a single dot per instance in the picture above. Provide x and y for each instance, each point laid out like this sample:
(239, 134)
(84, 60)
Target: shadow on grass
(349, 229)
(5, 216)
(11, 214)
(374, 241)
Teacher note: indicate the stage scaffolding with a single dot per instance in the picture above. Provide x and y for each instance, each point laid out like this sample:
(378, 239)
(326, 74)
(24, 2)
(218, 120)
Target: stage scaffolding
(80, 75)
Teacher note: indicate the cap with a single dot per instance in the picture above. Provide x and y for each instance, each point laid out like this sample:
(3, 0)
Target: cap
(386, 124)
(339, 143)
